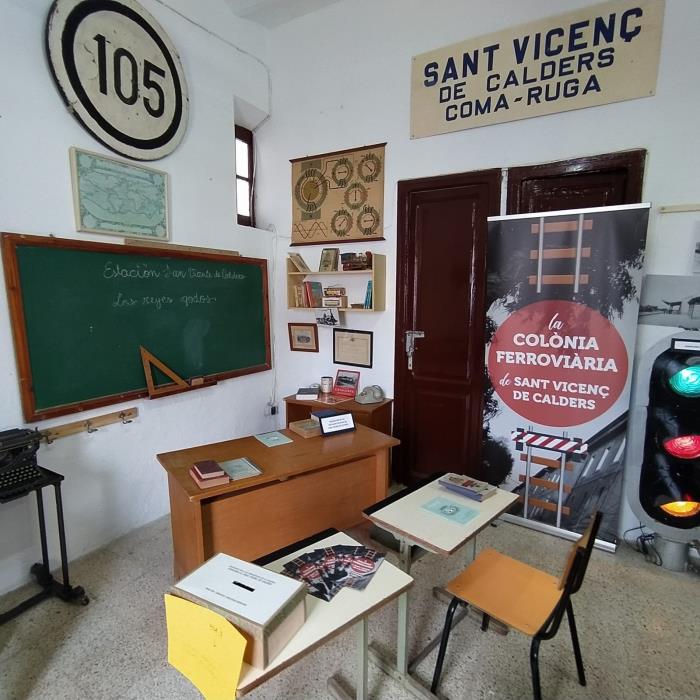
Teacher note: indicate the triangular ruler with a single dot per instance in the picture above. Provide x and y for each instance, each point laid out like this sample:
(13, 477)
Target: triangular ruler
(149, 361)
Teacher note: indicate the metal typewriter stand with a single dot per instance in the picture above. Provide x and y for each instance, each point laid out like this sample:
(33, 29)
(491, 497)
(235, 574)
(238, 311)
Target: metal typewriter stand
(42, 572)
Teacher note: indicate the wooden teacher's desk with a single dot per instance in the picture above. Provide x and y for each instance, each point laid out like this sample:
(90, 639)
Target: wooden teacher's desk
(307, 485)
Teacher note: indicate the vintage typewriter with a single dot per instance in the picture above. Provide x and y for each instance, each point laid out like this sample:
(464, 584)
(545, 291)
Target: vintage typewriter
(19, 472)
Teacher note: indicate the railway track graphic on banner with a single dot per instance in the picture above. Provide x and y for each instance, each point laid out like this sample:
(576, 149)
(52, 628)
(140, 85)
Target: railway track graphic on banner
(525, 441)
(565, 256)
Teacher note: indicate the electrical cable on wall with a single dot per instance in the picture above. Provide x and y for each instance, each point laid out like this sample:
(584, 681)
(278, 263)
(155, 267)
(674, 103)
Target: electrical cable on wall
(233, 46)
(643, 544)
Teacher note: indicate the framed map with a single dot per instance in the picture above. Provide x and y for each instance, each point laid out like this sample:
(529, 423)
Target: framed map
(111, 196)
(338, 197)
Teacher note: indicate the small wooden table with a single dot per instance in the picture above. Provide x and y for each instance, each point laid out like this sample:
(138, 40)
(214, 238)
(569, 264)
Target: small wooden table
(325, 620)
(403, 516)
(307, 485)
(373, 415)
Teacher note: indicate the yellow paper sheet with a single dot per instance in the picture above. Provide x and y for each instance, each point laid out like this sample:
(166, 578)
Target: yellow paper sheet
(205, 647)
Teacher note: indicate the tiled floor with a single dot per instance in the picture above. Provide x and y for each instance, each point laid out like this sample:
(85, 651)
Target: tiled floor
(637, 623)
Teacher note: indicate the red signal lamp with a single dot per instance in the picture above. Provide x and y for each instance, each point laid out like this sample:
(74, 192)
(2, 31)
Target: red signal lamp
(683, 446)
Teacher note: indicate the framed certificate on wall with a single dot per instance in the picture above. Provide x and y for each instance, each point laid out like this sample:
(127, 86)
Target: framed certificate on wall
(352, 347)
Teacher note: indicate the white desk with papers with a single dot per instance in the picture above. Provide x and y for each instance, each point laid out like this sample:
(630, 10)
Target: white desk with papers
(404, 516)
(325, 620)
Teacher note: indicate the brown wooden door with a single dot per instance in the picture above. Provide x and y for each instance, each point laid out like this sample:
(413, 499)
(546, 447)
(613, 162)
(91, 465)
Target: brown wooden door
(595, 181)
(440, 291)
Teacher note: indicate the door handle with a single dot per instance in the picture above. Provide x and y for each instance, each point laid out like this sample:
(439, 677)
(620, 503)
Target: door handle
(410, 338)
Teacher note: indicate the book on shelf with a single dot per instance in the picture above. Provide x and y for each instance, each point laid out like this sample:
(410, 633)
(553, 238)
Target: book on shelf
(314, 294)
(334, 292)
(298, 262)
(307, 427)
(368, 296)
(267, 608)
(335, 302)
(208, 469)
(466, 486)
(307, 393)
(208, 483)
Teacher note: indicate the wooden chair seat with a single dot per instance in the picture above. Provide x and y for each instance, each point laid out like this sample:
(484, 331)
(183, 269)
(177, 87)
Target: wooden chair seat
(516, 594)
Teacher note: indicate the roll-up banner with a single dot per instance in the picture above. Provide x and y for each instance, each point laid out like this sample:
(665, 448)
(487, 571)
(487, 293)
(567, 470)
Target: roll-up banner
(562, 305)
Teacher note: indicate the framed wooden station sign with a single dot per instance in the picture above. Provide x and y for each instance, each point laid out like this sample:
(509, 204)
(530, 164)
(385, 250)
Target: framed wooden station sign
(119, 74)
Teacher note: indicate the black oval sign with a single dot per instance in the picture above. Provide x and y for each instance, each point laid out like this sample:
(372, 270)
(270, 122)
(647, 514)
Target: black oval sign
(120, 75)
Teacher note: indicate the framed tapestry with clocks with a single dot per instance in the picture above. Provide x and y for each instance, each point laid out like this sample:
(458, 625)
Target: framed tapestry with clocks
(338, 197)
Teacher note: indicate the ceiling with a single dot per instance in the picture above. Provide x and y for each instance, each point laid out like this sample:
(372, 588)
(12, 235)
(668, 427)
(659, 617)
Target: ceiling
(272, 13)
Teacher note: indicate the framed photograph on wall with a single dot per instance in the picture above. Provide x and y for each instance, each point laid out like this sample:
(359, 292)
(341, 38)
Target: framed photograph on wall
(327, 317)
(119, 198)
(352, 347)
(303, 337)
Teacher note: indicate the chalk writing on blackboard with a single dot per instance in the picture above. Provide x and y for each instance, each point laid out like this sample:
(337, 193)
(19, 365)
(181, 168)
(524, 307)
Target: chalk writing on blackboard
(144, 271)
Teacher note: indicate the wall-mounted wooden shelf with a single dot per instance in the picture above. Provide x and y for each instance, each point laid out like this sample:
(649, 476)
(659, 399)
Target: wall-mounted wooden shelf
(354, 280)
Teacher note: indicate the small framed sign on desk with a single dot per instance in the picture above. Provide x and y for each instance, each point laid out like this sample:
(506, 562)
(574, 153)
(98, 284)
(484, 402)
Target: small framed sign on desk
(337, 423)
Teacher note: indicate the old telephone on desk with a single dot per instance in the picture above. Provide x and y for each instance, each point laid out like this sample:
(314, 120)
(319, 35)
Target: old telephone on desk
(370, 394)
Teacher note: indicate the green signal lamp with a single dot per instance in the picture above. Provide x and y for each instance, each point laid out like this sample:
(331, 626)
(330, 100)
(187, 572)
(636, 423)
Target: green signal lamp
(686, 382)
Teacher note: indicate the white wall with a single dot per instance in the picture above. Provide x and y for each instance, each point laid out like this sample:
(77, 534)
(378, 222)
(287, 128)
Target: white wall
(349, 85)
(113, 481)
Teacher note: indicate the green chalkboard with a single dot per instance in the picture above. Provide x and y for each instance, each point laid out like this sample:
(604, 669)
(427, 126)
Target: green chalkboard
(80, 312)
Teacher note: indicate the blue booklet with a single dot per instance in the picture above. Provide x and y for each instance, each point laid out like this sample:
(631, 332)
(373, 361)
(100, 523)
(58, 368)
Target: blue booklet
(273, 438)
(450, 510)
(240, 468)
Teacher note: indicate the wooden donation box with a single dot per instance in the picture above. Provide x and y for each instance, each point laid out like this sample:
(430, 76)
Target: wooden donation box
(305, 486)
(265, 607)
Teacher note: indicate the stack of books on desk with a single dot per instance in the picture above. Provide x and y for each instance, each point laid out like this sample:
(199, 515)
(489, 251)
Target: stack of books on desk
(307, 393)
(466, 486)
(306, 428)
(208, 473)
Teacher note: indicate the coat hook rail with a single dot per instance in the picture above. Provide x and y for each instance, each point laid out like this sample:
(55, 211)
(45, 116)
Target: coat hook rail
(91, 425)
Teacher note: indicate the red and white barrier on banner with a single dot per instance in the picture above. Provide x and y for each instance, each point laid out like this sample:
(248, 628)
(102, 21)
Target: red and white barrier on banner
(548, 442)
(525, 440)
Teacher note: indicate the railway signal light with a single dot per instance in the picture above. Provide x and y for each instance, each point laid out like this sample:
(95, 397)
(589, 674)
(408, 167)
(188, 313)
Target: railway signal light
(669, 485)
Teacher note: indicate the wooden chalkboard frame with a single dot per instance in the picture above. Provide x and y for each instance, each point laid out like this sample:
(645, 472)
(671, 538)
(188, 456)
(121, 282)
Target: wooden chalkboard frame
(11, 241)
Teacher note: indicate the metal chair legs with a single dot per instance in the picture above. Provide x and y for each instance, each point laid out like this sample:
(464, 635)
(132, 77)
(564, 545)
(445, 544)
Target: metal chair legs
(443, 644)
(535, 668)
(534, 649)
(575, 644)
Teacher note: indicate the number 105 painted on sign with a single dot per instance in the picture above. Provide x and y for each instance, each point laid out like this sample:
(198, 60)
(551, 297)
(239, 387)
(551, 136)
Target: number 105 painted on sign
(125, 77)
